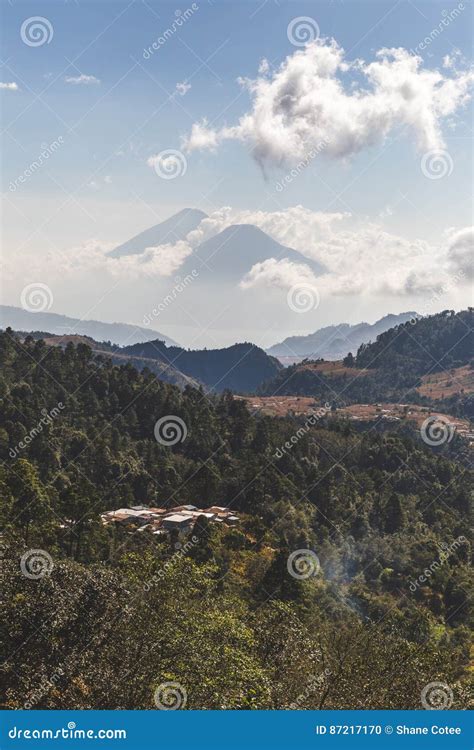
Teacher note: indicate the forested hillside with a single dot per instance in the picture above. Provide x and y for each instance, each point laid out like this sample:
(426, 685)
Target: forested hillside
(392, 367)
(241, 367)
(225, 616)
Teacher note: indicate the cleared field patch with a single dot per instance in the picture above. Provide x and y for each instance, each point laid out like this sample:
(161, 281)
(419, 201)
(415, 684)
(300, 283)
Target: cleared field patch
(399, 413)
(281, 406)
(439, 385)
(334, 369)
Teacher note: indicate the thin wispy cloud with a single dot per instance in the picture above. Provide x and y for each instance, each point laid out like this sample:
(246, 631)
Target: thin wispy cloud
(183, 87)
(82, 80)
(8, 86)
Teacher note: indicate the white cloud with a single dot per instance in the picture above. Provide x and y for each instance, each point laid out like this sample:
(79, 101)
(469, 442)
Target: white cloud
(359, 256)
(281, 273)
(183, 87)
(316, 95)
(202, 137)
(461, 253)
(82, 79)
(12, 86)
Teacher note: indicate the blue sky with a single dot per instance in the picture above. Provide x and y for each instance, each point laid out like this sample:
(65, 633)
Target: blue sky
(98, 184)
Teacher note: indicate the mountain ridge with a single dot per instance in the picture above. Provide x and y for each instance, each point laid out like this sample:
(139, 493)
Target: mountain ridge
(58, 324)
(334, 342)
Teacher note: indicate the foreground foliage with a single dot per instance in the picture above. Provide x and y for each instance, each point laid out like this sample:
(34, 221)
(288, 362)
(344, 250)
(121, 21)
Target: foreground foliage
(120, 614)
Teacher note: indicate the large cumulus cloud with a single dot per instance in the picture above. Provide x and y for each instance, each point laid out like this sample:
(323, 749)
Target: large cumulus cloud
(318, 96)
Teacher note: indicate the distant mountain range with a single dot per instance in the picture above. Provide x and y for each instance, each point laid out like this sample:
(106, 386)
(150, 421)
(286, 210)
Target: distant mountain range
(334, 342)
(120, 334)
(228, 255)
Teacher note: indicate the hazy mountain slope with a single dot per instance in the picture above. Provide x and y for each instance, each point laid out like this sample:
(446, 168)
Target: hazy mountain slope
(118, 333)
(172, 230)
(241, 367)
(333, 342)
(230, 254)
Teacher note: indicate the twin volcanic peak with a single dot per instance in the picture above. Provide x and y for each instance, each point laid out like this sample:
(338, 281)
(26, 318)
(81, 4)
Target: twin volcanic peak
(172, 230)
(228, 255)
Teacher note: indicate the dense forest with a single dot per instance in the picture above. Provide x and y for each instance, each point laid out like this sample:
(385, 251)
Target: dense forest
(385, 613)
(390, 368)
